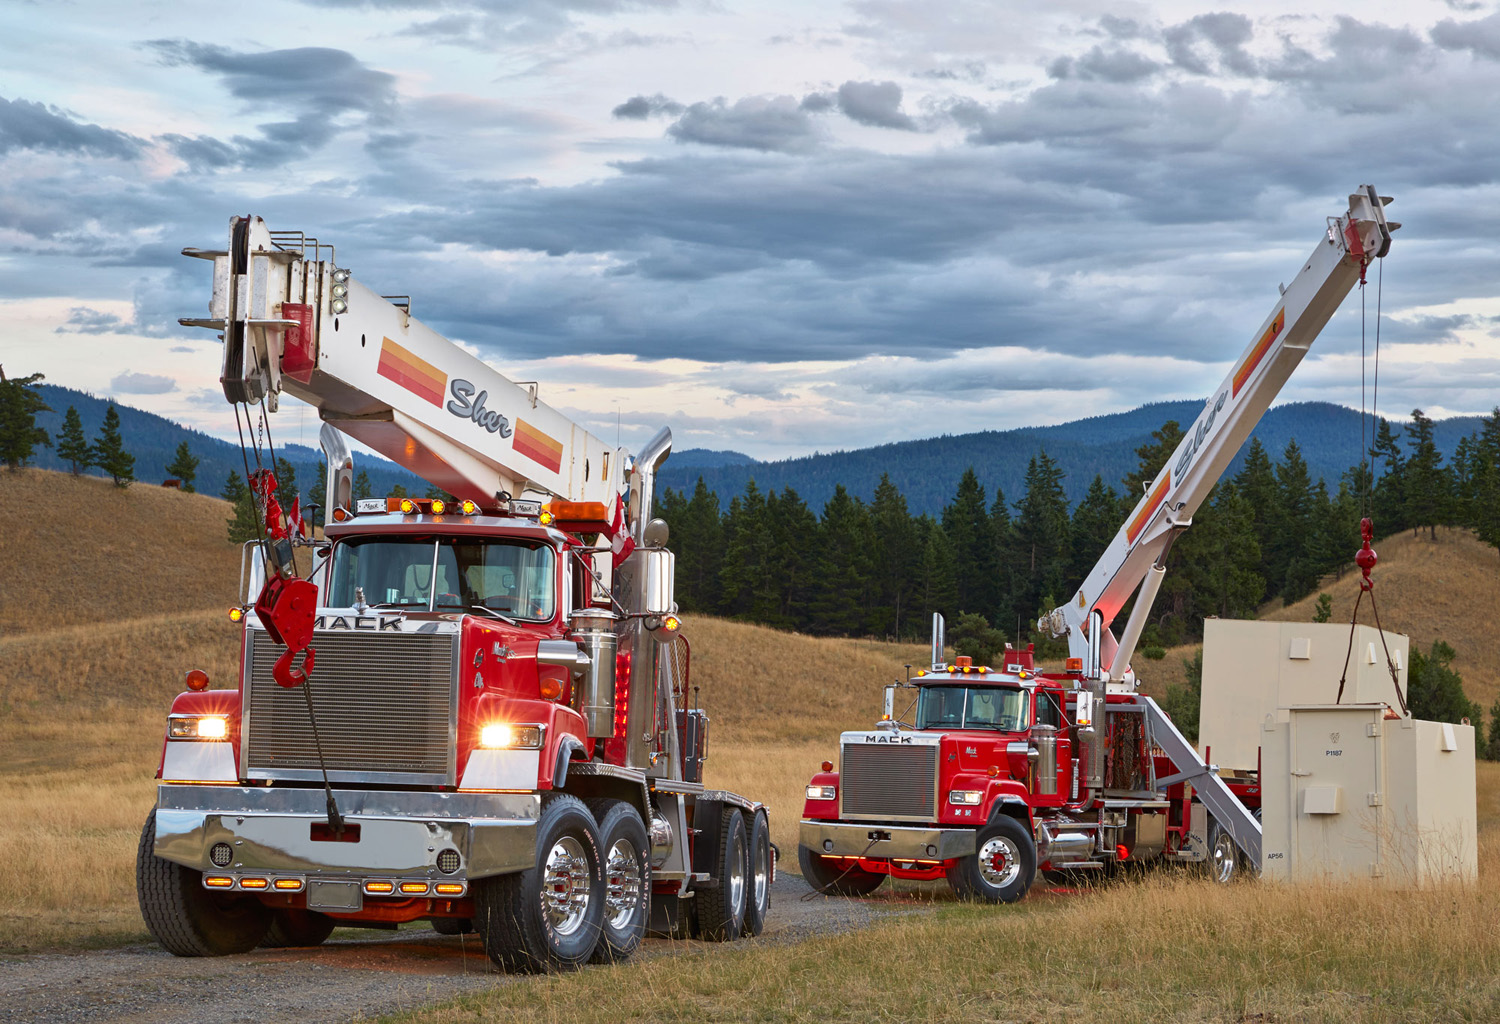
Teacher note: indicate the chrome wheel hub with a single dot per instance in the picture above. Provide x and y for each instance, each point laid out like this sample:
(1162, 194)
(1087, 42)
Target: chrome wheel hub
(1223, 862)
(737, 883)
(762, 873)
(999, 861)
(622, 877)
(565, 886)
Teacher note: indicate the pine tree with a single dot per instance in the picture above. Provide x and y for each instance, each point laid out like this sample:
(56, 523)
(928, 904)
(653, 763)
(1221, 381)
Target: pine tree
(1287, 562)
(1388, 503)
(893, 557)
(438, 492)
(396, 491)
(1003, 594)
(791, 565)
(1226, 578)
(286, 483)
(19, 434)
(1427, 487)
(968, 527)
(1492, 746)
(1435, 692)
(1153, 456)
(362, 487)
(72, 445)
(1042, 527)
(243, 524)
(317, 495)
(184, 466)
(696, 534)
(936, 590)
(746, 553)
(1096, 520)
(1486, 516)
(109, 450)
(840, 593)
(1256, 483)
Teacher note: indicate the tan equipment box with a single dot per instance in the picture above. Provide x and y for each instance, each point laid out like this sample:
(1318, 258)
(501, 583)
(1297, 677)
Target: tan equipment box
(1347, 793)
(1252, 668)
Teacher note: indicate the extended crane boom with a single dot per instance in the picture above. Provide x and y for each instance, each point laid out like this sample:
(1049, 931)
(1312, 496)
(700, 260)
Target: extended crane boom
(1138, 551)
(294, 320)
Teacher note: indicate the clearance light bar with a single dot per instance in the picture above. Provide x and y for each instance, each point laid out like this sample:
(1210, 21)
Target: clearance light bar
(414, 888)
(448, 889)
(380, 888)
(288, 884)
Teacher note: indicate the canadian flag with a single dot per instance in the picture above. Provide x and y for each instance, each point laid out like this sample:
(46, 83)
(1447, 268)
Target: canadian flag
(622, 543)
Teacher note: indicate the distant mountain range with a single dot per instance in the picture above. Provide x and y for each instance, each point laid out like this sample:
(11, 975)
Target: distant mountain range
(927, 471)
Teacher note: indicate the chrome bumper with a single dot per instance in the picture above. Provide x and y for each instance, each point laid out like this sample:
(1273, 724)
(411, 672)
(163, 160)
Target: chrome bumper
(886, 842)
(400, 833)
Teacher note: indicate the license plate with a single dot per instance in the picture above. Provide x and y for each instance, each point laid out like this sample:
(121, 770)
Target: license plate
(340, 896)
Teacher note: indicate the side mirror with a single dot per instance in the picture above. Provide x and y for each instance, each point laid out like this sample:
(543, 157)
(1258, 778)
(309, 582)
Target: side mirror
(658, 576)
(889, 711)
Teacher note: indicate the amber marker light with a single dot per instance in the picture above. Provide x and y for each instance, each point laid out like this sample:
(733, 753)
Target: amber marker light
(236, 615)
(828, 766)
(468, 507)
(408, 506)
(218, 882)
(438, 506)
(197, 679)
(413, 888)
(380, 888)
(671, 623)
(288, 884)
(253, 883)
(448, 889)
(545, 518)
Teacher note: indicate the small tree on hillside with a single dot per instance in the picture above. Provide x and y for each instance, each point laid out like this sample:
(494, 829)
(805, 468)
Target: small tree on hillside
(1435, 693)
(1324, 609)
(72, 446)
(361, 485)
(109, 450)
(286, 483)
(243, 524)
(19, 434)
(971, 635)
(1183, 702)
(184, 466)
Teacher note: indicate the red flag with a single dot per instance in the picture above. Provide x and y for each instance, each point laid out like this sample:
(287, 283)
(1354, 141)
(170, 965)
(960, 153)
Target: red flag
(622, 543)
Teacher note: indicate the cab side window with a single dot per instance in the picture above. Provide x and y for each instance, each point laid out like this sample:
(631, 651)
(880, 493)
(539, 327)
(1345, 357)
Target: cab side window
(1048, 710)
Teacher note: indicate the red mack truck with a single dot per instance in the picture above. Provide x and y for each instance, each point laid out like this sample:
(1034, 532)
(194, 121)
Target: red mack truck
(1010, 769)
(489, 727)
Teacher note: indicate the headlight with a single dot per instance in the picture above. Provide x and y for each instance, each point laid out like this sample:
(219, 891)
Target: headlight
(195, 727)
(504, 736)
(967, 797)
(821, 792)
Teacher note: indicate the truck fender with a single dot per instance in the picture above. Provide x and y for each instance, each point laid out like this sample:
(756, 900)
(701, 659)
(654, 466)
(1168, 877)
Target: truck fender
(565, 748)
(1010, 805)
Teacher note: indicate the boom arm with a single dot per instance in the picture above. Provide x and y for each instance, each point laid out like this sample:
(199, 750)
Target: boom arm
(1231, 413)
(293, 320)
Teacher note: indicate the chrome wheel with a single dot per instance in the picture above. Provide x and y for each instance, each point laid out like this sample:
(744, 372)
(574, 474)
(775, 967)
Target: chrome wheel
(565, 886)
(1224, 856)
(737, 882)
(999, 861)
(761, 872)
(622, 881)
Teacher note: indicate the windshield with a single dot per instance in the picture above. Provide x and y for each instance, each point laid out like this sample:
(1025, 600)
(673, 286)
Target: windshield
(962, 707)
(511, 577)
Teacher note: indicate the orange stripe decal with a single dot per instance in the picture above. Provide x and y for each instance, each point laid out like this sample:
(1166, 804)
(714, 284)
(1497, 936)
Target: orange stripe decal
(412, 372)
(1158, 495)
(537, 446)
(1259, 351)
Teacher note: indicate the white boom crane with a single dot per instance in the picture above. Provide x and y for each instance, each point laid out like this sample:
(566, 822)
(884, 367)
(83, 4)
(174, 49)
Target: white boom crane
(1136, 556)
(293, 320)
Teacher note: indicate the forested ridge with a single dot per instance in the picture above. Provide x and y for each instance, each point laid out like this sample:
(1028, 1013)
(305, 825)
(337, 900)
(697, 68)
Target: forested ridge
(1268, 530)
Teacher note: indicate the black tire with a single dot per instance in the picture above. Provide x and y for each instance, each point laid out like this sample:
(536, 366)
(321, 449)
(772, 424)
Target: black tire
(721, 910)
(626, 851)
(519, 919)
(292, 927)
(186, 918)
(1001, 869)
(833, 878)
(758, 898)
(452, 925)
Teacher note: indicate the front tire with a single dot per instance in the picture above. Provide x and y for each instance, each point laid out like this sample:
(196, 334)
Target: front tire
(187, 919)
(758, 899)
(832, 878)
(547, 917)
(721, 914)
(1002, 868)
(627, 879)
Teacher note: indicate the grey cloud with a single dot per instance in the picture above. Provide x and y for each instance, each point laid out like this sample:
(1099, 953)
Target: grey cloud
(131, 383)
(819, 102)
(765, 123)
(492, 24)
(86, 320)
(1481, 37)
(1099, 64)
(25, 124)
(1209, 40)
(877, 104)
(638, 108)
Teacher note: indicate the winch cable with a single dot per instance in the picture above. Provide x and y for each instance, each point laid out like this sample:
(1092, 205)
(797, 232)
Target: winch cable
(1365, 557)
(335, 819)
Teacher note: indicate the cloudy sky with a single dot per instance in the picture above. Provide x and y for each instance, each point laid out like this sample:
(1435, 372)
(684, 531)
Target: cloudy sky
(777, 227)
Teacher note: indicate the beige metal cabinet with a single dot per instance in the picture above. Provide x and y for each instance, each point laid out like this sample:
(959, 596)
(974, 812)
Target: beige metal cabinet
(1348, 793)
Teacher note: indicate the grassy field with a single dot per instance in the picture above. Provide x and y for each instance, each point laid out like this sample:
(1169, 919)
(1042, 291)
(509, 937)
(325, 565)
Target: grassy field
(91, 653)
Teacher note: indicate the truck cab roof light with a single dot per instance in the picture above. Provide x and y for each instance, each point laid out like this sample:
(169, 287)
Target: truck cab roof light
(468, 508)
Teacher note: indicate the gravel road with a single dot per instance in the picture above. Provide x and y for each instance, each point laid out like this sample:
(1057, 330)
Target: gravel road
(335, 982)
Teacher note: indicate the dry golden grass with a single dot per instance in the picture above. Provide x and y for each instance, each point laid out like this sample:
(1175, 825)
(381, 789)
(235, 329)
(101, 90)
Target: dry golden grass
(79, 549)
(1168, 946)
(1448, 589)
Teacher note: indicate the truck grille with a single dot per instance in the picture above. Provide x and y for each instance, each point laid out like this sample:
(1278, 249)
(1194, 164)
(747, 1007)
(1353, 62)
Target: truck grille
(879, 780)
(384, 704)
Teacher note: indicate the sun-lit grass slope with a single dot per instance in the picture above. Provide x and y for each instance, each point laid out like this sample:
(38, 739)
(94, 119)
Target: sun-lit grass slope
(79, 549)
(1448, 589)
(1169, 946)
